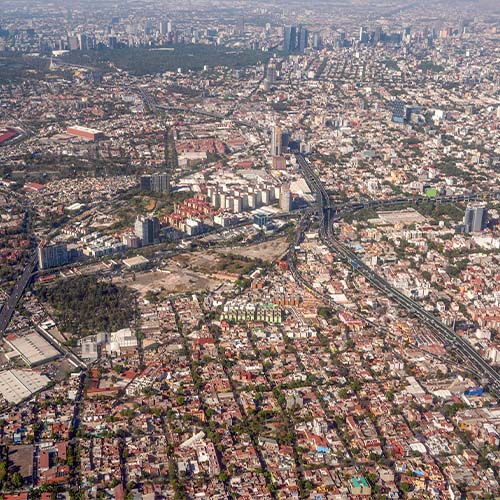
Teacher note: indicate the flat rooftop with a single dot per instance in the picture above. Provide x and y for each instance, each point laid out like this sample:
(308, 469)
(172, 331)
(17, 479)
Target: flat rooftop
(17, 385)
(81, 128)
(33, 348)
(139, 260)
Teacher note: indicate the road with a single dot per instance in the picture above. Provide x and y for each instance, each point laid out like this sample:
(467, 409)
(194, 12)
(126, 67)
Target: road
(327, 214)
(450, 340)
(22, 282)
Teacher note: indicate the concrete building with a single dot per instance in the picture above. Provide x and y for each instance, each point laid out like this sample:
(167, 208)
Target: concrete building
(276, 142)
(52, 256)
(17, 385)
(475, 217)
(147, 229)
(33, 348)
(285, 198)
(85, 133)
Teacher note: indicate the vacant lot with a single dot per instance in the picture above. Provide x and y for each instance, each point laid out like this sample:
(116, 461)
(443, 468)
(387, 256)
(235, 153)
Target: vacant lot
(267, 251)
(173, 279)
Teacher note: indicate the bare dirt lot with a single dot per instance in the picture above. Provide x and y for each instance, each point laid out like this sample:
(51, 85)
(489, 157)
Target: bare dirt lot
(171, 280)
(267, 251)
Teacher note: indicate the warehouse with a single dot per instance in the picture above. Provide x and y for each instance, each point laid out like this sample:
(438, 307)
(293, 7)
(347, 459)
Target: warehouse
(33, 348)
(85, 132)
(17, 385)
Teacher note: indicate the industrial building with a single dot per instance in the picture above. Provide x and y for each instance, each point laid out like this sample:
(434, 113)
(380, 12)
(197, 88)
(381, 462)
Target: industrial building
(32, 348)
(18, 385)
(85, 133)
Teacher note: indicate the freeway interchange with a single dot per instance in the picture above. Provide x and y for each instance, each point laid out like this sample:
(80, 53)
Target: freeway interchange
(452, 342)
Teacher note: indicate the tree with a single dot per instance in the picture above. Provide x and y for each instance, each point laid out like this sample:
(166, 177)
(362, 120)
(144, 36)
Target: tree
(17, 480)
(3, 471)
(405, 487)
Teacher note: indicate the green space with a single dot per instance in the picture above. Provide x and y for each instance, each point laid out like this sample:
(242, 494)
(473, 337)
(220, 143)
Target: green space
(14, 67)
(83, 305)
(390, 64)
(430, 66)
(142, 61)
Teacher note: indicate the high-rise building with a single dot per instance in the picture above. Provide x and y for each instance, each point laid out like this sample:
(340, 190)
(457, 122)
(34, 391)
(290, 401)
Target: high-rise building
(147, 229)
(363, 35)
(158, 183)
(475, 217)
(163, 28)
(52, 256)
(276, 142)
(316, 41)
(289, 38)
(73, 43)
(285, 198)
(302, 39)
(82, 41)
(399, 111)
(145, 183)
(271, 73)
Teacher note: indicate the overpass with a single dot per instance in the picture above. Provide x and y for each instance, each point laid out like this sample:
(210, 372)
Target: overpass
(327, 214)
(450, 340)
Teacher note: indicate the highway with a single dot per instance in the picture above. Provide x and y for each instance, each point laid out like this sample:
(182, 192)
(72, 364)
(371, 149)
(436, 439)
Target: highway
(327, 214)
(452, 342)
(151, 103)
(22, 282)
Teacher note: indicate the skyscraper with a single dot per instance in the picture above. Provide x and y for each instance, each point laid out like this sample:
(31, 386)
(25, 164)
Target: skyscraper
(363, 34)
(289, 38)
(302, 39)
(147, 229)
(163, 28)
(276, 142)
(475, 217)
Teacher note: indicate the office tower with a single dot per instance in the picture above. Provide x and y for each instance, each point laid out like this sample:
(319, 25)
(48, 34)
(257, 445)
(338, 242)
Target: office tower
(316, 41)
(52, 256)
(363, 34)
(170, 26)
(302, 39)
(147, 229)
(160, 183)
(377, 35)
(399, 111)
(276, 142)
(285, 198)
(145, 183)
(289, 39)
(241, 25)
(112, 42)
(163, 28)
(82, 41)
(285, 140)
(475, 217)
